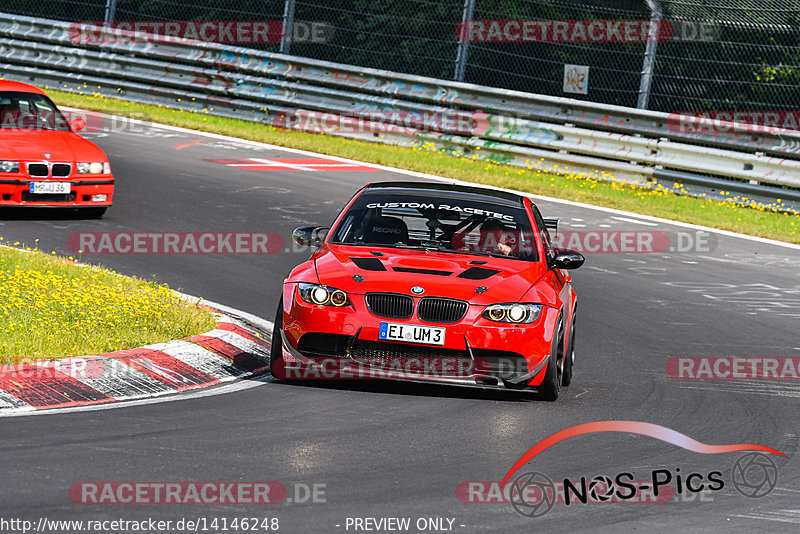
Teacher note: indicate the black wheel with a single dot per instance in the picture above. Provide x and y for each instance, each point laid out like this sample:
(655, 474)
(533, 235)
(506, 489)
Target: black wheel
(569, 357)
(276, 348)
(551, 385)
(92, 213)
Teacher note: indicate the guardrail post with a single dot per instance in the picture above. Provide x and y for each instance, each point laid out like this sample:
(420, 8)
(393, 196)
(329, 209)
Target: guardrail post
(111, 11)
(649, 54)
(463, 40)
(288, 27)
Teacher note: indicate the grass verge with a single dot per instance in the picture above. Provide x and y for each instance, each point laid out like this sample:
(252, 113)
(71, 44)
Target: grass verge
(726, 215)
(51, 309)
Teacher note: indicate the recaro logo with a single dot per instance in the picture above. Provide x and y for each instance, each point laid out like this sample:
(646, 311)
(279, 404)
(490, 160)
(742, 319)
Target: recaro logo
(384, 230)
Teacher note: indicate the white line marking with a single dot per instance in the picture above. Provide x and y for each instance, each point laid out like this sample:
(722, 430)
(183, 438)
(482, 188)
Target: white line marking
(294, 166)
(240, 342)
(8, 401)
(239, 385)
(117, 380)
(263, 324)
(594, 268)
(270, 163)
(635, 221)
(201, 359)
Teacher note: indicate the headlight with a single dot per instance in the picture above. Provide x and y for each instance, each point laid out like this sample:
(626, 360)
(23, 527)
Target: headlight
(513, 313)
(9, 166)
(94, 168)
(323, 295)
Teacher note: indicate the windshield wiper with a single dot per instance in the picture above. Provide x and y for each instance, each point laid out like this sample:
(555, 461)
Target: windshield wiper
(379, 245)
(489, 254)
(413, 247)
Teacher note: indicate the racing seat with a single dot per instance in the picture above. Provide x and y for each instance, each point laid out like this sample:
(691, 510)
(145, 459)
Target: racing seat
(385, 230)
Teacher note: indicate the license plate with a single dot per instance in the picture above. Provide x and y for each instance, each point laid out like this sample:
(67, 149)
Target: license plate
(429, 335)
(52, 188)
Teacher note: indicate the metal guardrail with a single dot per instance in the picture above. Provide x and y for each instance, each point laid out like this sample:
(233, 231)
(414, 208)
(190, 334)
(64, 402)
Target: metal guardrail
(549, 133)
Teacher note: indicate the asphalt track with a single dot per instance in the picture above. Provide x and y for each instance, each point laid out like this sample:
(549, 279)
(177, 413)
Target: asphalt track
(401, 450)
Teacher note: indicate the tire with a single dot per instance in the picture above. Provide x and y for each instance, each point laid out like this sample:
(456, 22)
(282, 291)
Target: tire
(92, 213)
(551, 385)
(569, 357)
(276, 348)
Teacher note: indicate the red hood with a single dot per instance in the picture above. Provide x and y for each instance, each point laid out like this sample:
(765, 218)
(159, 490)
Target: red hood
(31, 145)
(335, 267)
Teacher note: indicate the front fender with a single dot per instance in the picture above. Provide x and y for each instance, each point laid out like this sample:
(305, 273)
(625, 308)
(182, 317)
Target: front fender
(550, 321)
(545, 291)
(305, 272)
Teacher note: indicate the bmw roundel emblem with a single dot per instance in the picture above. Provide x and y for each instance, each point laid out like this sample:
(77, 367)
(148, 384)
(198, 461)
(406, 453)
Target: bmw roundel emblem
(417, 290)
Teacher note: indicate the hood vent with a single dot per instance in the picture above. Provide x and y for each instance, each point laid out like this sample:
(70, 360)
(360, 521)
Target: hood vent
(369, 264)
(433, 272)
(478, 273)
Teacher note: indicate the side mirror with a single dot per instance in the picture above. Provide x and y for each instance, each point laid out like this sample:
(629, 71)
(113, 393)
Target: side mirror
(77, 124)
(310, 236)
(568, 259)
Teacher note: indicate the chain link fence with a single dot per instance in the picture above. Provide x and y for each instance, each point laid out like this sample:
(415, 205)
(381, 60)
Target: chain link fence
(664, 55)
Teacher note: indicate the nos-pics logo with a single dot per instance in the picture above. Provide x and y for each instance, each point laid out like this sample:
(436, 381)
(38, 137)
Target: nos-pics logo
(533, 494)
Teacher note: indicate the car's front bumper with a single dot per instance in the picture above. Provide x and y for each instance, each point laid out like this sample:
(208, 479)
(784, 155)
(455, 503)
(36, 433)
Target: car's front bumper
(17, 193)
(342, 343)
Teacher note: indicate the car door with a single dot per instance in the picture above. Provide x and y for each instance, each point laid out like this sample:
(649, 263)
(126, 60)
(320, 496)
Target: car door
(558, 278)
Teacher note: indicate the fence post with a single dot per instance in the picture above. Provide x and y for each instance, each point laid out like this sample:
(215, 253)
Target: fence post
(649, 54)
(463, 40)
(288, 27)
(111, 11)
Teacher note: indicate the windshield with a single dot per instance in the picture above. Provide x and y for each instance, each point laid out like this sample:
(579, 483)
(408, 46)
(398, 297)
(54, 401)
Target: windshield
(458, 223)
(29, 111)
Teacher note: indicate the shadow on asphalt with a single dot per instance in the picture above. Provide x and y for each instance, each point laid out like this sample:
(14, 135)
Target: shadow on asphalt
(41, 214)
(396, 387)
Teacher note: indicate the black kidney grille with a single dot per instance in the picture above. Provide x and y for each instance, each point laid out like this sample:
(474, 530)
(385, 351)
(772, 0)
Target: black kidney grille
(37, 169)
(390, 305)
(436, 310)
(61, 170)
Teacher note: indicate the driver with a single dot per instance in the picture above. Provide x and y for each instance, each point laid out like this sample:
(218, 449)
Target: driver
(493, 237)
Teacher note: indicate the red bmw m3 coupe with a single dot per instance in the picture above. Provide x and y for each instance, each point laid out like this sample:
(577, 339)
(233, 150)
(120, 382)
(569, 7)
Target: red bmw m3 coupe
(431, 282)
